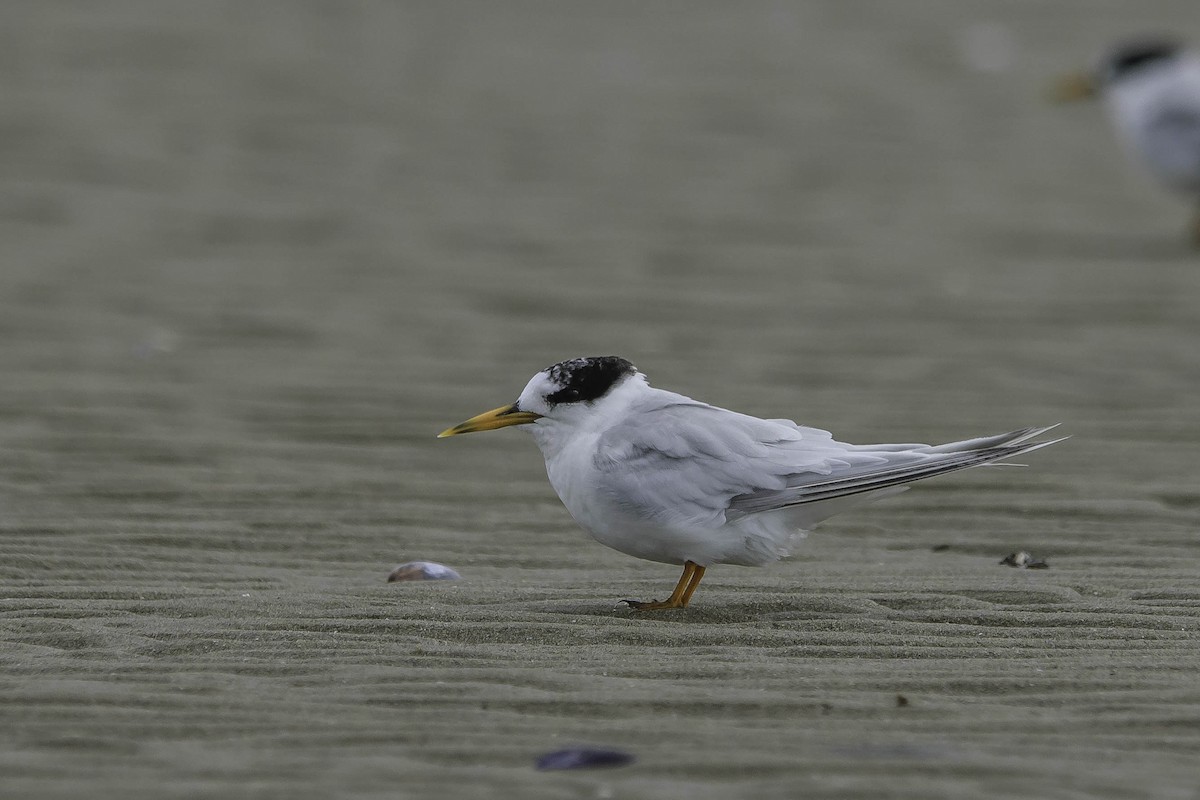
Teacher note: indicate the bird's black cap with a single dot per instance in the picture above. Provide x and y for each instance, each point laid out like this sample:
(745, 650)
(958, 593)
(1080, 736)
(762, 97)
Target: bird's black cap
(1132, 57)
(583, 380)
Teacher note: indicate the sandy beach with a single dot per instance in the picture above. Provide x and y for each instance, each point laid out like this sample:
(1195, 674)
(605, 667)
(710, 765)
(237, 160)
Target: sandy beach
(255, 256)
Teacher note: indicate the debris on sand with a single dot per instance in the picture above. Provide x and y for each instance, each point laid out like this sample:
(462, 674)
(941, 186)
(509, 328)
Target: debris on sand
(583, 758)
(1024, 560)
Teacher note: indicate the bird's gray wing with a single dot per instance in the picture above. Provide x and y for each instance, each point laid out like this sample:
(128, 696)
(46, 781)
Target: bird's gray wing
(693, 464)
(685, 463)
(902, 464)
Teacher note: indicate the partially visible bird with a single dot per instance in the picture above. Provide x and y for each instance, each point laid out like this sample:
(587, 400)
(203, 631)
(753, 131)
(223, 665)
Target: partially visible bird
(1151, 89)
(666, 478)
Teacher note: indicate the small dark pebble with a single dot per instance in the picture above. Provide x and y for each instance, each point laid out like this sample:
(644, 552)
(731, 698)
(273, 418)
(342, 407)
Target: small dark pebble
(423, 571)
(941, 548)
(583, 758)
(901, 701)
(1023, 560)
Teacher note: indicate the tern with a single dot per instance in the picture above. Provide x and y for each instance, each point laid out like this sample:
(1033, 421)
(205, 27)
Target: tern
(663, 477)
(1151, 90)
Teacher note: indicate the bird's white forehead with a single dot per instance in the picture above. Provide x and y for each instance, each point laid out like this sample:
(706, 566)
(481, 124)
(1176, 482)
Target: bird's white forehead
(540, 385)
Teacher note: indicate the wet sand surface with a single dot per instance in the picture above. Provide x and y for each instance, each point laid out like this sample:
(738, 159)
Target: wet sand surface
(255, 256)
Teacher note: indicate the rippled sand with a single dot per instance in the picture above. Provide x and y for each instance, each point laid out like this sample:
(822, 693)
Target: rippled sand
(254, 261)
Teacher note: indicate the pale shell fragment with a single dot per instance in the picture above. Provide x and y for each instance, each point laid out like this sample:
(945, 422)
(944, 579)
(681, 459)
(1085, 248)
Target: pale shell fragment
(423, 571)
(1024, 560)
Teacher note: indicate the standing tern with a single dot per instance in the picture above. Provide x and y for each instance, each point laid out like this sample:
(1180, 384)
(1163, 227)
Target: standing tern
(1151, 90)
(667, 478)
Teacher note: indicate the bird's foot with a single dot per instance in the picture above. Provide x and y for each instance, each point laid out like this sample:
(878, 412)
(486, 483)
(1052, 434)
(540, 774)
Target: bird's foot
(653, 605)
(688, 581)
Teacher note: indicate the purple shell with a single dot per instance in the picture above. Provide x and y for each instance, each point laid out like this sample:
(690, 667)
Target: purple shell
(583, 758)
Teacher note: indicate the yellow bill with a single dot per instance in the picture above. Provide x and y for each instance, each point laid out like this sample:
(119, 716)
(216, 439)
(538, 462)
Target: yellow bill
(1077, 86)
(501, 417)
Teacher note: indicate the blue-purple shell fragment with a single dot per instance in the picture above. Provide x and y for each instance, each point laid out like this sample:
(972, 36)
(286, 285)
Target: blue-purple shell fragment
(583, 758)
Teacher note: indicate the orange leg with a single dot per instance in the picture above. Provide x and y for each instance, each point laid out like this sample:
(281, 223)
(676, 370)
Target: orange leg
(688, 581)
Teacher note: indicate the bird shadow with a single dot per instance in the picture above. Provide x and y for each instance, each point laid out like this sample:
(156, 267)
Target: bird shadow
(711, 612)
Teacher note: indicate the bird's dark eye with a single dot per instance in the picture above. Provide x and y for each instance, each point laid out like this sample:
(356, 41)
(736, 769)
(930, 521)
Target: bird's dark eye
(567, 394)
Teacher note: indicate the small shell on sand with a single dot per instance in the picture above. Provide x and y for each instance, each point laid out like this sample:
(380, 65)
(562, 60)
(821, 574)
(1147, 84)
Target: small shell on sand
(583, 758)
(423, 571)
(1024, 560)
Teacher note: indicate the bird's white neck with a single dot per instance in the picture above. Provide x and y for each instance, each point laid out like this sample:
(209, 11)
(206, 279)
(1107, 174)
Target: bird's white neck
(569, 426)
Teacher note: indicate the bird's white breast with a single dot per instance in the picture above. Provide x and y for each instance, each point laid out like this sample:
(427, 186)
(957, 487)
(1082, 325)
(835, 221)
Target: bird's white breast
(570, 466)
(1137, 106)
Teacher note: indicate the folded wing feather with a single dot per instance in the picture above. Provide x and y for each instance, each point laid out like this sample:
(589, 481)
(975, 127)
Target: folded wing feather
(692, 464)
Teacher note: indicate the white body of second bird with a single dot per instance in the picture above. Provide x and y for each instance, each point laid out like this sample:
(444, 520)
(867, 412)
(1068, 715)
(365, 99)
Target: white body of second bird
(1151, 90)
(1155, 108)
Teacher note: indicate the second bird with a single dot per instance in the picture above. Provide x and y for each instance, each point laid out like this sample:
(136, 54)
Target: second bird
(1151, 89)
